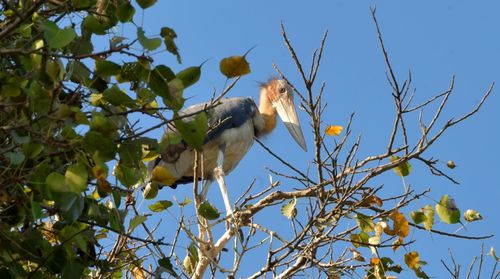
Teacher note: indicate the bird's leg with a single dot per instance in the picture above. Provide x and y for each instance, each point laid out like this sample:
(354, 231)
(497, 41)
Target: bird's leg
(219, 176)
(204, 190)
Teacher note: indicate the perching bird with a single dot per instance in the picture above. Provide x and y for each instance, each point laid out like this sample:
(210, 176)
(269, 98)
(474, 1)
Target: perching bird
(233, 124)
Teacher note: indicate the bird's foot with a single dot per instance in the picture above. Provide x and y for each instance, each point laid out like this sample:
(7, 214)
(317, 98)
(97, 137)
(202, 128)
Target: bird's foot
(230, 221)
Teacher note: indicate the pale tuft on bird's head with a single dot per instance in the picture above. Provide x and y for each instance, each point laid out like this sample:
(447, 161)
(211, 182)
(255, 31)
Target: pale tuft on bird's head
(277, 89)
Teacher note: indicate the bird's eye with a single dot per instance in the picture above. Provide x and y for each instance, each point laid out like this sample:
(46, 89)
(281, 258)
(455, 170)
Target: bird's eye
(282, 90)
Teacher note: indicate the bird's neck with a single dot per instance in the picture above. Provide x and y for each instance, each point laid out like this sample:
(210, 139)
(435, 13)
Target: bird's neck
(267, 111)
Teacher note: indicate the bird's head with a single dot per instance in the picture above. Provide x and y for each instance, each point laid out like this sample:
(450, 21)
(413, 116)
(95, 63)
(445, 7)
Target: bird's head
(280, 95)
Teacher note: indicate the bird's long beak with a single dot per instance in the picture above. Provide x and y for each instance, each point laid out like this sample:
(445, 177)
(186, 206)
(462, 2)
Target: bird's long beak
(286, 110)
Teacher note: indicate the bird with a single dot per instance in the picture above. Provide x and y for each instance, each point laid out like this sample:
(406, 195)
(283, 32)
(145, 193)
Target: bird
(233, 124)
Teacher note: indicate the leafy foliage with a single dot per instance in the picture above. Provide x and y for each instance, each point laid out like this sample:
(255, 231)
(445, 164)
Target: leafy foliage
(64, 124)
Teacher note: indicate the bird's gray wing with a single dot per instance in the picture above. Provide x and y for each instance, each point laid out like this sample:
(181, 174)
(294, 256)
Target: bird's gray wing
(230, 113)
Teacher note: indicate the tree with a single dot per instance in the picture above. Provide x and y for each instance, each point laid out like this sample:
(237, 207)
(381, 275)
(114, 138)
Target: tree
(71, 155)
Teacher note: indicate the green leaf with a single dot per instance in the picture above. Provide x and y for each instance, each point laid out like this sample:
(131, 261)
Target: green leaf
(146, 3)
(115, 220)
(56, 183)
(117, 97)
(10, 90)
(136, 221)
(81, 4)
(207, 211)
(102, 124)
(117, 198)
(57, 259)
(234, 66)
(359, 239)
(130, 153)
(145, 96)
(149, 148)
(193, 252)
(71, 206)
(150, 191)
(193, 131)
(417, 217)
(128, 176)
(159, 206)
(15, 158)
(81, 46)
(447, 210)
(185, 202)
(36, 210)
(289, 210)
(189, 76)
(125, 12)
(169, 35)
(53, 68)
(106, 68)
(92, 24)
(147, 43)
(402, 169)
(97, 212)
(76, 177)
(101, 146)
(131, 71)
(429, 216)
(421, 274)
(191, 259)
(165, 72)
(471, 215)
(78, 72)
(158, 82)
(165, 263)
(56, 37)
(365, 223)
(72, 269)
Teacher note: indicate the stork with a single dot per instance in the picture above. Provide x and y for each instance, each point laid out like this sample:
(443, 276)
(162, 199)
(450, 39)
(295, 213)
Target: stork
(235, 122)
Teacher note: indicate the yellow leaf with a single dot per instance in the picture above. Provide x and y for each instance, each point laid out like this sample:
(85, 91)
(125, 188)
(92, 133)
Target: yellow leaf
(397, 243)
(49, 232)
(378, 229)
(188, 265)
(333, 130)
(412, 260)
(450, 164)
(138, 273)
(371, 200)
(402, 169)
(234, 66)
(100, 171)
(162, 176)
(289, 210)
(104, 185)
(400, 226)
(374, 240)
(357, 256)
(375, 261)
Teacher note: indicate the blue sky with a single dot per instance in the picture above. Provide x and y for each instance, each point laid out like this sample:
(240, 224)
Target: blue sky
(433, 39)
